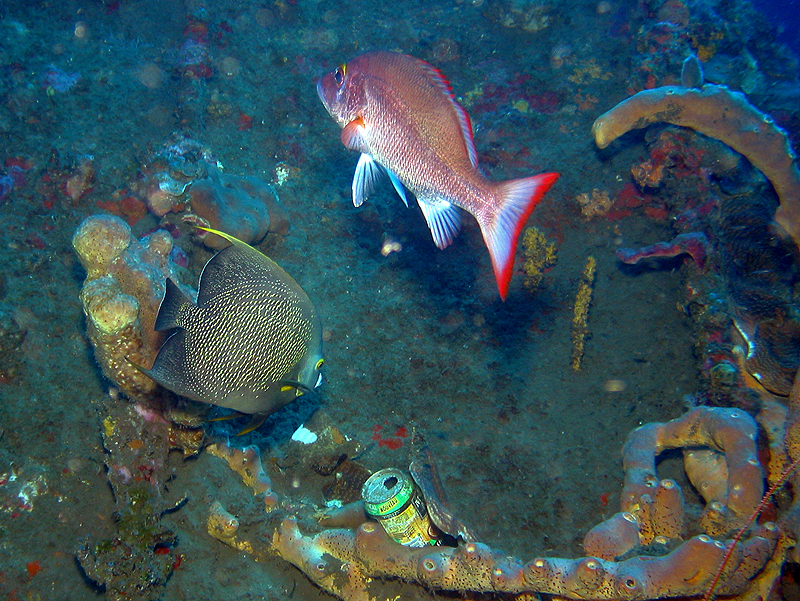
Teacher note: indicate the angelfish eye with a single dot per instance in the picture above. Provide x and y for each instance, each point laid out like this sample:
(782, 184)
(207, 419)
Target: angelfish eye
(319, 364)
(338, 75)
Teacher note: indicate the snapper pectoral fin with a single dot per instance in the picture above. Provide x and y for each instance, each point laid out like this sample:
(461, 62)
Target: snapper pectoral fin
(353, 135)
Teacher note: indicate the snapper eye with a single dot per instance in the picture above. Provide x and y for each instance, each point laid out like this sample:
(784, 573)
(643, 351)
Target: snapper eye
(338, 75)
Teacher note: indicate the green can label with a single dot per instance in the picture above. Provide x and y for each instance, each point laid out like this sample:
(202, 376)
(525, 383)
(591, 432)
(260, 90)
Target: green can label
(391, 498)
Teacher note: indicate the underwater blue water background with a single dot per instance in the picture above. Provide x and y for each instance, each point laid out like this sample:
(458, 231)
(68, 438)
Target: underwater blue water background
(96, 97)
(784, 16)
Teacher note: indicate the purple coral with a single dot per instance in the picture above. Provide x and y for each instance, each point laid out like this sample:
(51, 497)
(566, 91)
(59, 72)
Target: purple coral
(14, 178)
(694, 244)
(59, 80)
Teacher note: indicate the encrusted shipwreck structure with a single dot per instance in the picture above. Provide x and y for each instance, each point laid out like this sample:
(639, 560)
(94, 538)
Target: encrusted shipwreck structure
(724, 115)
(136, 559)
(641, 552)
(747, 343)
(659, 544)
(662, 543)
(125, 282)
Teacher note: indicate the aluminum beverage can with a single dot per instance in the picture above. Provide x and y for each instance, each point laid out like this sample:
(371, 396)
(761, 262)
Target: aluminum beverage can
(391, 497)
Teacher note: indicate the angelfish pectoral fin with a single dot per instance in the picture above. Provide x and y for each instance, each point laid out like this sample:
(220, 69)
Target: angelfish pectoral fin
(299, 387)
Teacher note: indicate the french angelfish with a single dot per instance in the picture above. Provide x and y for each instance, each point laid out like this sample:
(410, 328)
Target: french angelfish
(251, 343)
(399, 113)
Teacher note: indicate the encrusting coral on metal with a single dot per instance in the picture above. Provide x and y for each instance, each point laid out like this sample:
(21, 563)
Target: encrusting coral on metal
(580, 312)
(655, 546)
(641, 552)
(724, 115)
(125, 282)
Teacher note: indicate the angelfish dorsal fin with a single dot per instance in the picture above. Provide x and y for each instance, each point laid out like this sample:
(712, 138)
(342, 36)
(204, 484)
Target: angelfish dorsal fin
(239, 262)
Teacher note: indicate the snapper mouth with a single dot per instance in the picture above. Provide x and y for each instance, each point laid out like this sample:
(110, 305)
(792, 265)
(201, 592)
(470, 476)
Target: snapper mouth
(321, 92)
(328, 94)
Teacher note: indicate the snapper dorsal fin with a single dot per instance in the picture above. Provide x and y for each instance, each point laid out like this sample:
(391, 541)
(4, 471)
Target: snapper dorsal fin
(464, 121)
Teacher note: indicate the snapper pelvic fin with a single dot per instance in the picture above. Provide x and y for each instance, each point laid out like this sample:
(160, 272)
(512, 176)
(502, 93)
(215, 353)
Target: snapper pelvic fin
(501, 230)
(444, 220)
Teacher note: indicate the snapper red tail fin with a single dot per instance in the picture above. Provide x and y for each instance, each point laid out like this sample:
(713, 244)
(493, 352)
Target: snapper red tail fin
(518, 198)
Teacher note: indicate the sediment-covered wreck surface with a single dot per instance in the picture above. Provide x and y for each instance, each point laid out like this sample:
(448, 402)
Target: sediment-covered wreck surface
(623, 426)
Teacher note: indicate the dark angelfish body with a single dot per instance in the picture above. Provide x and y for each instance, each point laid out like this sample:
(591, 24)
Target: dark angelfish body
(251, 343)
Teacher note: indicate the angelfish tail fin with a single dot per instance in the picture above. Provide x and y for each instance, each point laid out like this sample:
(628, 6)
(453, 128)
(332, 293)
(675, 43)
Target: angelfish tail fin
(500, 230)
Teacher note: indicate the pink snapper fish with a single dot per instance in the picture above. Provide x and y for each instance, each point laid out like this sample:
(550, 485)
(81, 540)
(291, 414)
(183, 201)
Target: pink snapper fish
(400, 114)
